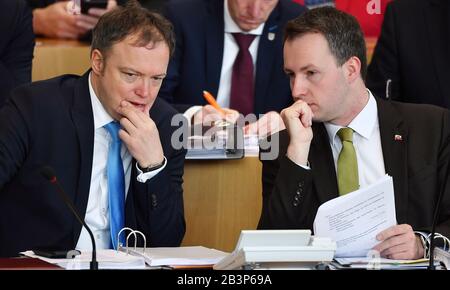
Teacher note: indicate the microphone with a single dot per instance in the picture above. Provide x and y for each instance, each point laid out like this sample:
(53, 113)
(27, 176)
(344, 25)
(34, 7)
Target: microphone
(437, 211)
(50, 175)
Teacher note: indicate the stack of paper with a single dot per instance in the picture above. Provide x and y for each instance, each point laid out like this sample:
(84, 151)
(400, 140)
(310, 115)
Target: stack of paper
(137, 258)
(107, 259)
(215, 142)
(185, 256)
(380, 263)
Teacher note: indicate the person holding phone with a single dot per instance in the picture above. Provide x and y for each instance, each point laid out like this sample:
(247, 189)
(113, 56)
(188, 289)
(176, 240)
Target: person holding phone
(61, 19)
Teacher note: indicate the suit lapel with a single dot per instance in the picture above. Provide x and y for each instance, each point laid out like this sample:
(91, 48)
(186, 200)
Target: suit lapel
(266, 56)
(214, 41)
(83, 121)
(322, 164)
(437, 20)
(394, 138)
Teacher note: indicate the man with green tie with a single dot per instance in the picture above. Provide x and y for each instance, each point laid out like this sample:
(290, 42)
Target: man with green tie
(340, 138)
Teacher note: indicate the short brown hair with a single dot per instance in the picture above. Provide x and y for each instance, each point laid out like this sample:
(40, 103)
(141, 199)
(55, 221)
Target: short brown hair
(341, 30)
(132, 19)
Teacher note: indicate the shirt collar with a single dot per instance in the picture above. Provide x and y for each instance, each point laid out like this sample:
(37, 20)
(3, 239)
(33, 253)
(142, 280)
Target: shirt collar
(101, 117)
(363, 124)
(232, 27)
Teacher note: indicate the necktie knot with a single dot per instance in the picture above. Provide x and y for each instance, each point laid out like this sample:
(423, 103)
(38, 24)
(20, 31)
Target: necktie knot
(243, 40)
(113, 129)
(345, 134)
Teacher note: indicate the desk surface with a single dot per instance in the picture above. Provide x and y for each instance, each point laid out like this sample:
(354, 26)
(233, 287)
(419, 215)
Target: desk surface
(53, 57)
(25, 263)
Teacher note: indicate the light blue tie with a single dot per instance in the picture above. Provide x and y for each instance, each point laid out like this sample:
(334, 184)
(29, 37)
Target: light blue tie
(116, 184)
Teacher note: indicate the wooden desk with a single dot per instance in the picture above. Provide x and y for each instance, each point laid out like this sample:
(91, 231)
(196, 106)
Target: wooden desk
(221, 198)
(54, 57)
(25, 263)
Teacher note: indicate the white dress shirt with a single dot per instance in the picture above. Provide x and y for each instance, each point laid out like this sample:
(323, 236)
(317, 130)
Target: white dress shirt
(230, 52)
(97, 212)
(367, 143)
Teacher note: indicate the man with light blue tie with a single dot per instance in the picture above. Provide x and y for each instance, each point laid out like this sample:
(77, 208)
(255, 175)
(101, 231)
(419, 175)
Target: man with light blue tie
(108, 139)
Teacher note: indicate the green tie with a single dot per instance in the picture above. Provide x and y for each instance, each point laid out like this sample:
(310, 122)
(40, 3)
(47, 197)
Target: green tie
(347, 165)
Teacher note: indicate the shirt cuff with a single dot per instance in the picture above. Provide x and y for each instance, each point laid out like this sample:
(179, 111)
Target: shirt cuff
(144, 177)
(189, 113)
(306, 167)
(425, 243)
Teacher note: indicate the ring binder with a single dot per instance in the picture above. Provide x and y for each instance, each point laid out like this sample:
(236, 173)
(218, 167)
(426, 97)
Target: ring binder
(163, 256)
(132, 232)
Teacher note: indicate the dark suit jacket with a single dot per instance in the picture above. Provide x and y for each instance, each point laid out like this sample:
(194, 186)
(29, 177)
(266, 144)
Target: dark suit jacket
(414, 52)
(51, 123)
(418, 165)
(16, 46)
(197, 62)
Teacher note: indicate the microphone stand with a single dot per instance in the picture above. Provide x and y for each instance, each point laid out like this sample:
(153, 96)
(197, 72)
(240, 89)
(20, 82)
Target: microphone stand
(48, 173)
(437, 211)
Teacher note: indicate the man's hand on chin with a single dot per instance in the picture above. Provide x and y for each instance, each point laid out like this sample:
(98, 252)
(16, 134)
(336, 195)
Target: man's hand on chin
(140, 134)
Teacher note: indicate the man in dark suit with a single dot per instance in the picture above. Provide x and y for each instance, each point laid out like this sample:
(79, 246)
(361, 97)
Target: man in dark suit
(16, 47)
(71, 124)
(412, 54)
(206, 50)
(407, 141)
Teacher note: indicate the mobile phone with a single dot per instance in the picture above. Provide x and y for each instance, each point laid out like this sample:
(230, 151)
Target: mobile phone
(57, 254)
(88, 4)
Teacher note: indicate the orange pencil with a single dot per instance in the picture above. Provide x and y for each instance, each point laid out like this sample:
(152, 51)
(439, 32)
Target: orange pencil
(210, 99)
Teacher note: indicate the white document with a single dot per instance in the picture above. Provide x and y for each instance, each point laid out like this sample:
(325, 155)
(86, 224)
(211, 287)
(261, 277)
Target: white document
(107, 259)
(353, 220)
(179, 256)
(136, 259)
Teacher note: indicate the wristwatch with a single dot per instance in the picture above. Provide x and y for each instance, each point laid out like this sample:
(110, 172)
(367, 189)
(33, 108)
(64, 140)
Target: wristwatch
(152, 167)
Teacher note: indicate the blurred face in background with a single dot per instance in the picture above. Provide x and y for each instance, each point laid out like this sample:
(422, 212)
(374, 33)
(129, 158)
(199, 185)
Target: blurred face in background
(249, 14)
